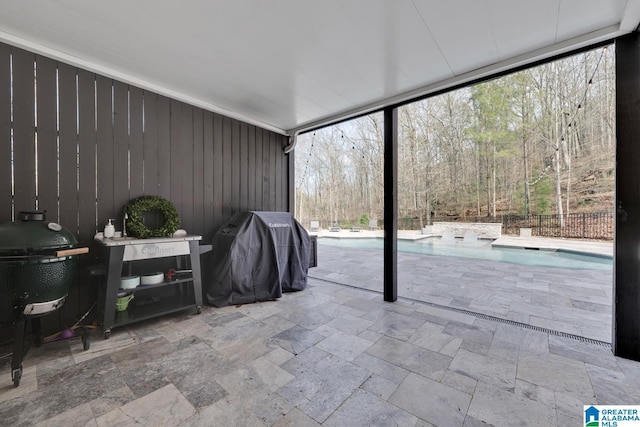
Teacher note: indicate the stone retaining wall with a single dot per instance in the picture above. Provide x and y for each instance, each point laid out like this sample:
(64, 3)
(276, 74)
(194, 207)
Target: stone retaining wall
(484, 230)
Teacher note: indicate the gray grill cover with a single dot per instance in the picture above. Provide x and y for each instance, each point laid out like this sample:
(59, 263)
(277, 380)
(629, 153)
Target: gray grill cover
(257, 256)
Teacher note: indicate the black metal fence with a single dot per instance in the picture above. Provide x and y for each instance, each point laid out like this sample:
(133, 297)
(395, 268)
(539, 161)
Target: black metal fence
(598, 225)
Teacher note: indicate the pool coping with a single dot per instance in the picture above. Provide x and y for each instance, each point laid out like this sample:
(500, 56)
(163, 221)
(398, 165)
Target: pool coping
(580, 247)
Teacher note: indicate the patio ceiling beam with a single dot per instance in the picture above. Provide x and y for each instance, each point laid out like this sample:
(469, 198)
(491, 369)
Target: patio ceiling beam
(391, 204)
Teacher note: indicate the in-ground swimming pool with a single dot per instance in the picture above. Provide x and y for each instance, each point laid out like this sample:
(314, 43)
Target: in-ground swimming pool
(482, 250)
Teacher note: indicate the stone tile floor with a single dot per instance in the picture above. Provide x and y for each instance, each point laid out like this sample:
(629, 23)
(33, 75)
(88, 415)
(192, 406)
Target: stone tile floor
(576, 302)
(329, 355)
(337, 355)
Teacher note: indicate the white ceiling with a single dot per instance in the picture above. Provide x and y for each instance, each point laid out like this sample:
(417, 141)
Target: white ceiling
(291, 64)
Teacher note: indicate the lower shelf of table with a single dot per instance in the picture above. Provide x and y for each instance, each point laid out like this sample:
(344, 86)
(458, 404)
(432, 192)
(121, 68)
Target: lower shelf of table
(140, 309)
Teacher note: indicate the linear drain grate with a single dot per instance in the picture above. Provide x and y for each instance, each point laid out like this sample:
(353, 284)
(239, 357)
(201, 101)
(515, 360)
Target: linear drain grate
(483, 316)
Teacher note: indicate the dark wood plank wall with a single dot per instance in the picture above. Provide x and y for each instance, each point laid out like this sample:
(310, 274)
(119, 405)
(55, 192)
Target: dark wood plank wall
(6, 197)
(83, 145)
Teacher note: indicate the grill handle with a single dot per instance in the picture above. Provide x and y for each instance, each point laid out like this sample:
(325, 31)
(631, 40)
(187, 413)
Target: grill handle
(74, 251)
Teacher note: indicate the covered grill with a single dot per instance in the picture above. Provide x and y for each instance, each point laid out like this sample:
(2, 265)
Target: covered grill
(37, 264)
(257, 256)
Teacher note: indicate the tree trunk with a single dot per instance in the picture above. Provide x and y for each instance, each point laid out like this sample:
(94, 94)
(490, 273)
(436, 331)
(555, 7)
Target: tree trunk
(568, 174)
(558, 112)
(525, 158)
(559, 190)
(427, 208)
(488, 179)
(477, 159)
(493, 177)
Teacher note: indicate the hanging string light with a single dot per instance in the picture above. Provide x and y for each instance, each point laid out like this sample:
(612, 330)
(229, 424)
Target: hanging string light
(542, 175)
(306, 165)
(362, 153)
(571, 118)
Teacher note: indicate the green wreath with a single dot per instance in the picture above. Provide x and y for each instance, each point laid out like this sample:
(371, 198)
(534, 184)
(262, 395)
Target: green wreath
(138, 207)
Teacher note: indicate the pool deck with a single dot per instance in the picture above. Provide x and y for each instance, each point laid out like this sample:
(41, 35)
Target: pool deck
(580, 246)
(564, 300)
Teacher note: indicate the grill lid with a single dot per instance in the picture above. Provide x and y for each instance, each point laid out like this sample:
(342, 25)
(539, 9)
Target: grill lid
(34, 234)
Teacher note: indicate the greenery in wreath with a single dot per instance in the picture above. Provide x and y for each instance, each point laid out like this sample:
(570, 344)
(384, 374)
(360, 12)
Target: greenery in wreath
(138, 207)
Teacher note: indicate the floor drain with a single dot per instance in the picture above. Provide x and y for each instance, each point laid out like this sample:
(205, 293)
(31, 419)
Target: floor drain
(484, 316)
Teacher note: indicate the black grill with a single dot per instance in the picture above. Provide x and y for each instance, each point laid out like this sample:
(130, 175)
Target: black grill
(37, 265)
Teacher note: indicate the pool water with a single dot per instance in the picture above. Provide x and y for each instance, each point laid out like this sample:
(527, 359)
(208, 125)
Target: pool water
(482, 250)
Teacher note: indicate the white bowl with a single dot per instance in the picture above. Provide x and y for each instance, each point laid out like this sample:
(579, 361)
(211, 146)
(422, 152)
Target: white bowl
(180, 233)
(129, 282)
(151, 278)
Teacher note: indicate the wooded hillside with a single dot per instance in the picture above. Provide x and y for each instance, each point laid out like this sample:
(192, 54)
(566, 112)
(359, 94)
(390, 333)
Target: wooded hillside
(540, 141)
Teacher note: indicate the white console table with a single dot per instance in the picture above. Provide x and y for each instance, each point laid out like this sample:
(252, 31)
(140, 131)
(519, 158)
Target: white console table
(182, 291)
